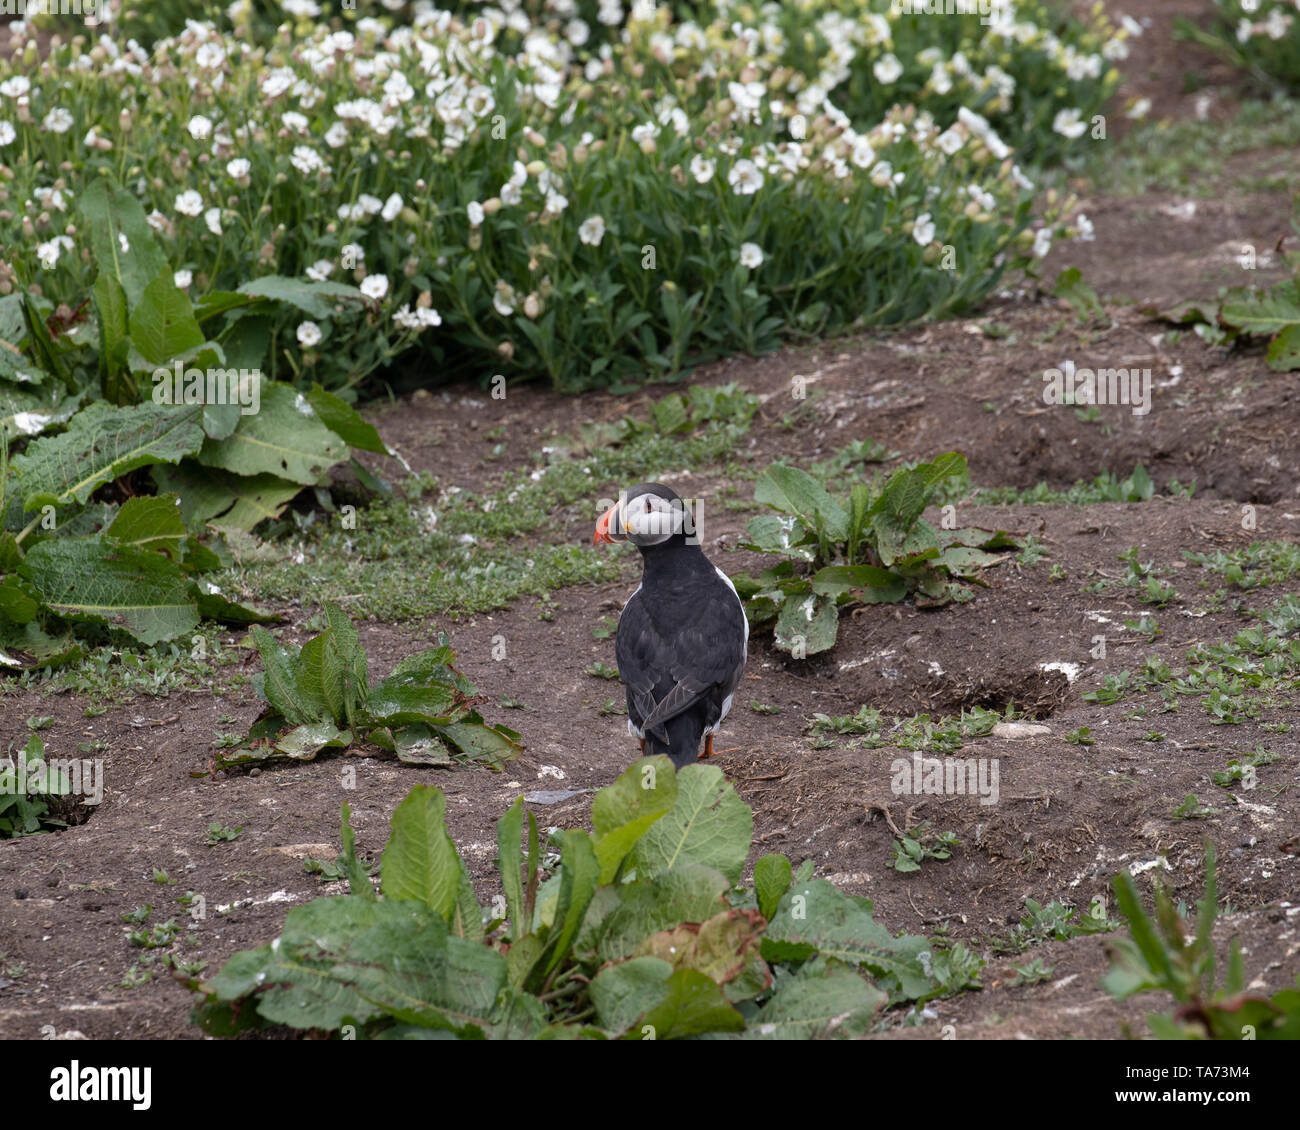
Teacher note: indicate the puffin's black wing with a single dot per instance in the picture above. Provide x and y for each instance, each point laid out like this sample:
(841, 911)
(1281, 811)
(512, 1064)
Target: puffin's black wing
(687, 646)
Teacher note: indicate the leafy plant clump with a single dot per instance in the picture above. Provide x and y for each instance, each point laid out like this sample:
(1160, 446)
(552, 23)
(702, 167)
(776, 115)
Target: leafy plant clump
(875, 549)
(641, 930)
(1168, 954)
(319, 697)
(33, 794)
(1262, 37)
(543, 209)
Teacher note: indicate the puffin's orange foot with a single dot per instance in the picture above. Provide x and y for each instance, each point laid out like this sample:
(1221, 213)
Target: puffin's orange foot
(643, 747)
(708, 748)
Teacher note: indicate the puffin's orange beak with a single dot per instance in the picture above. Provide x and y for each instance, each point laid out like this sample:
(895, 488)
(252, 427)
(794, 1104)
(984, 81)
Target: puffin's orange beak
(602, 527)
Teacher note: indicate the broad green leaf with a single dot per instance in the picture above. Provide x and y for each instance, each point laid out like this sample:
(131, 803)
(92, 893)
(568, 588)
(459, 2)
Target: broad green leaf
(646, 906)
(771, 533)
(213, 605)
(722, 947)
(772, 877)
(223, 498)
(316, 299)
(303, 743)
(479, 742)
(824, 1000)
(420, 862)
(815, 912)
(99, 580)
(162, 322)
(796, 492)
(280, 679)
(120, 238)
(510, 830)
(807, 625)
(883, 586)
(151, 522)
(409, 697)
(331, 670)
(621, 812)
(908, 491)
(579, 874)
(103, 443)
(345, 421)
(1263, 312)
(19, 602)
(284, 438)
(709, 824)
(111, 312)
(627, 990)
(1284, 350)
(358, 880)
(419, 745)
(694, 1004)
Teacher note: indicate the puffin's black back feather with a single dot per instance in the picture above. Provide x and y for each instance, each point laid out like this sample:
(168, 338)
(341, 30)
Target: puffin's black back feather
(680, 648)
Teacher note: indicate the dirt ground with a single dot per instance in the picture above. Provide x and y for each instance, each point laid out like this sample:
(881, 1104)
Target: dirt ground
(1069, 815)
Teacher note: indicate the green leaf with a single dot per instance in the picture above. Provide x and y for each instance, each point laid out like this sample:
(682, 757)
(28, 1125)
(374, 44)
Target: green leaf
(646, 906)
(477, 741)
(284, 438)
(709, 824)
(162, 322)
(280, 679)
(331, 671)
(627, 990)
(151, 523)
(510, 830)
(345, 421)
(358, 880)
(1284, 350)
(579, 875)
(409, 697)
(797, 492)
(621, 812)
(807, 624)
(772, 878)
(316, 299)
(103, 443)
(29, 410)
(723, 948)
(824, 1000)
(303, 743)
(694, 1004)
(111, 312)
(109, 215)
(877, 586)
(419, 745)
(99, 580)
(420, 862)
(223, 498)
(815, 912)
(1263, 312)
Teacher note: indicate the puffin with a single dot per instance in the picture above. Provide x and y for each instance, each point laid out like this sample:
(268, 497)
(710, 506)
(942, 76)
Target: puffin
(683, 636)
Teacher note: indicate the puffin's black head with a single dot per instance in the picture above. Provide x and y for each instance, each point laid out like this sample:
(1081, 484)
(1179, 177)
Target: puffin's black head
(648, 514)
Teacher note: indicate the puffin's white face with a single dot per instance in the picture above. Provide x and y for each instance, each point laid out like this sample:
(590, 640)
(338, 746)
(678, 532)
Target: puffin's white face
(648, 519)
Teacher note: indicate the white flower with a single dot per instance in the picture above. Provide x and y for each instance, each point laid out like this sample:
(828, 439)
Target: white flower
(392, 207)
(212, 217)
(58, 120)
(923, 229)
(744, 178)
(555, 203)
(1086, 230)
(182, 279)
(862, 154)
(984, 199)
(352, 252)
(239, 167)
(751, 255)
(887, 69)
(1042, 242)
(592, 231)
(950, 141)
(577, 32)
(7, 133)
(417, 319)
(210, 55)
(308, 334)
(320, 270)
(1020, 179)
(294, 122)
(702, 168)
(374, 286)
(48, 254)
(510, 193)
(475, 211)
(306, 160)
(504, 299)
(200, 127)
(15, 87)
(369, 205)
(1068, 124)
(336, 136)
(1140, 109)
(189, 203)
